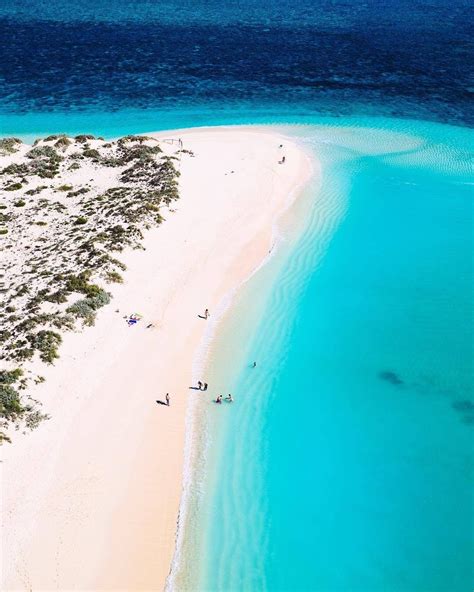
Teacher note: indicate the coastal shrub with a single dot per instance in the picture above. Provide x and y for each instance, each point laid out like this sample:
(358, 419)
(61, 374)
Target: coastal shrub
(80, 220)
(74, 166)
(99, 300)
(9, 145)
(82, 138)
(80, 191)
(82, 310)
(3, 231)
(63, 143)
(114, 277)
(13, 187)
(80, 283)
(19, 203)
(10, 405)
(46, 343)
(44, 152)
(34, 418)
(58, 297)
(64, 188)
(16, 169)
(91, 153)
(37, 190)
(87, 307)
(53, 137)
(10, 376)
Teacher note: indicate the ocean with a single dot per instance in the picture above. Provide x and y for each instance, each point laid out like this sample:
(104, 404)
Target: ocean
(345, 462)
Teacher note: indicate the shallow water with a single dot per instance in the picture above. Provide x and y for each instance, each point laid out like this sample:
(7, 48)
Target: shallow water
(345, 462)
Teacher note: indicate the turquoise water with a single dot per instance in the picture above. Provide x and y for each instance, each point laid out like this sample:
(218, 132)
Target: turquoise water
(346, 461)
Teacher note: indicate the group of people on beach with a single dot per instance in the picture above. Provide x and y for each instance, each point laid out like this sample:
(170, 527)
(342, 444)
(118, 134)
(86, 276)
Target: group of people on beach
(202, 386)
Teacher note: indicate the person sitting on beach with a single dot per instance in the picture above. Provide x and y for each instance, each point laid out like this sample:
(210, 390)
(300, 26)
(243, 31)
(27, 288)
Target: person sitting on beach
(219, 399)
(229, 398)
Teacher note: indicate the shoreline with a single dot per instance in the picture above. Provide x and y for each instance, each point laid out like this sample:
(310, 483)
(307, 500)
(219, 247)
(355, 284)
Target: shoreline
(195, 441)
(67, 494)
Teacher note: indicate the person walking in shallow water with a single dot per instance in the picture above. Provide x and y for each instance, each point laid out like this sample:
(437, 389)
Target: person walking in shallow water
(167, 399)
(229, 398)
(219, 399)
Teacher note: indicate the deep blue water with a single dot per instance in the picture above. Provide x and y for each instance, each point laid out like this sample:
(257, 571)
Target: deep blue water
(397, 58)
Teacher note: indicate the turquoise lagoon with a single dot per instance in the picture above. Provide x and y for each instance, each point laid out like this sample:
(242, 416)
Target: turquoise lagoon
(345, 463)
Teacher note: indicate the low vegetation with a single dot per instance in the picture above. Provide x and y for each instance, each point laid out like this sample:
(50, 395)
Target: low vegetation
(60, 232)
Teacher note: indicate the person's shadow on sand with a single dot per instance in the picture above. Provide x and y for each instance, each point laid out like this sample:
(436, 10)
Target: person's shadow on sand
(162, 403)
(202, 317)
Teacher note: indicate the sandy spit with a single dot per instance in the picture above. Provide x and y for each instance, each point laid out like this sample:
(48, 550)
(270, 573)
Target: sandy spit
(90, 499)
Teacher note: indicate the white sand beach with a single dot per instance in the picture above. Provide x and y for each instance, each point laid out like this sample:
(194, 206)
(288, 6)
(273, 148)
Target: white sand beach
(90, 498)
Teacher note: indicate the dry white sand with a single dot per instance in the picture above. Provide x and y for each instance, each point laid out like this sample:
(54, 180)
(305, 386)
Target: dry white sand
(90, 499)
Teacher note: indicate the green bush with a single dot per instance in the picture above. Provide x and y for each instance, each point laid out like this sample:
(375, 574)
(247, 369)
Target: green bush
(34, 418)
(114, 277)
(19, 203)
(16, 169)
(47, 343)
(91, 153)
(10, 406)
(82, 138)
(10, 376)
(9, 145)
(44, 152)
(80, 220)
(64, 188)
(63, 143)
(36, 191)
(3, 231)
(13, 187)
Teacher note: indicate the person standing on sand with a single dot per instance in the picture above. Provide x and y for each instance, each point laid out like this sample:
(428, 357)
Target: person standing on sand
(199, 385)
(167, 398)
(205, 386)
(206, 313)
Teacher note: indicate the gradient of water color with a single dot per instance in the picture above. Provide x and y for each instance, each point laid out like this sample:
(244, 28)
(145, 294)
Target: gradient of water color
(345, 462)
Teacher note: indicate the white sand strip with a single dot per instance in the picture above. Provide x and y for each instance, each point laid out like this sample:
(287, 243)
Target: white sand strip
(90, 499)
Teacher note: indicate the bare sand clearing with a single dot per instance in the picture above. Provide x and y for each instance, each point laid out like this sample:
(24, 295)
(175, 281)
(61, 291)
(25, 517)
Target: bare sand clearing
(90, 499)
